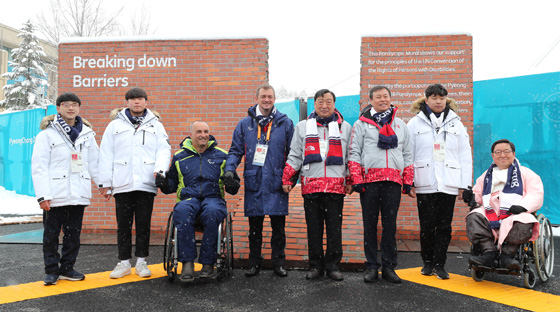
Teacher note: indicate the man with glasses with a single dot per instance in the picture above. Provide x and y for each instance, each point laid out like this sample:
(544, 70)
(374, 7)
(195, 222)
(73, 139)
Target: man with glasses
(509, 193)
(64, 162)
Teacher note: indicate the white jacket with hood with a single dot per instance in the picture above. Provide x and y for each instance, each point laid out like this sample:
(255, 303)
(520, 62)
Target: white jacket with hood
(129, 157)
(51, 169)
(440, 176)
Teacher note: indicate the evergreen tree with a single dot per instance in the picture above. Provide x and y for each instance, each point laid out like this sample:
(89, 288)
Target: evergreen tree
(27, 72)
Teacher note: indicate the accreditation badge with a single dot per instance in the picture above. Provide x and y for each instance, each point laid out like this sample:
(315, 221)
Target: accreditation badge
(323, 145)
(76, 162)
(439, 151)
(260, 155)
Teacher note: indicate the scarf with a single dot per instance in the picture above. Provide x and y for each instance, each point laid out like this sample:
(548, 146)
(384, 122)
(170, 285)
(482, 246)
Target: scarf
(312, 148)
(71, 133)
(511, 194)
(387, 137)
(263, 121)
(135, 120)
(435, 118)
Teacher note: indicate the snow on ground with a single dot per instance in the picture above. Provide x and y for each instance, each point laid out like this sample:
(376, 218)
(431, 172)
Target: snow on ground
(16, 208)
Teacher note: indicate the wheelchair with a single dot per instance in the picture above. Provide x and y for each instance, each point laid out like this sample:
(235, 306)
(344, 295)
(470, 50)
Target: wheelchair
(533, 256)
(224, 261)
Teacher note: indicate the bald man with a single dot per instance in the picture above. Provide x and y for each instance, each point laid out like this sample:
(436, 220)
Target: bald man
(194, 176)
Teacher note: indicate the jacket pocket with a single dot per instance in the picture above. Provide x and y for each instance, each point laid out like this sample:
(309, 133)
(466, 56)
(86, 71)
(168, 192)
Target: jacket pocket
(121, 173)
(85, 180)
(59, 184)
(148, 172)
(452, 172)
(423, 173)
(277, 180)
(252, 182)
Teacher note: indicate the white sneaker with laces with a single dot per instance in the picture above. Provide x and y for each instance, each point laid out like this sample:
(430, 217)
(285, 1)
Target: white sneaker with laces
(142, 269)
(121, 270)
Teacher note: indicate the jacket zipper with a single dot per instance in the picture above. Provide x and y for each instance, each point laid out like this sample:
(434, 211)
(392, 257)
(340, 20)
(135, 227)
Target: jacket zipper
(324, 161)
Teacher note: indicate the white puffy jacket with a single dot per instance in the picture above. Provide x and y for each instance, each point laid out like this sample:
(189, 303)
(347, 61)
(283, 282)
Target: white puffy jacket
(52, 176)
(456, 170)
(128, 157)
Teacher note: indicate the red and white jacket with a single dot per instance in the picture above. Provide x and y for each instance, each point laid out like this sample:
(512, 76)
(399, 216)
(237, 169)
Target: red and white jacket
(317, 177)
(369, 163)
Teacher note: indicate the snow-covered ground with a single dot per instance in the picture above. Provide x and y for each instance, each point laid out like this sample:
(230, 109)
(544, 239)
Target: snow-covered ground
(16, 208)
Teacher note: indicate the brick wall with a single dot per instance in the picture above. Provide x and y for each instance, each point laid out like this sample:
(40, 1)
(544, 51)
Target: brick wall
(210, 80)
(407, 65)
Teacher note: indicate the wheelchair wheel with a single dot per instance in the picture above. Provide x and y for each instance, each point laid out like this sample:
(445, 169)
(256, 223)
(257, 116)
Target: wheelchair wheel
(478, 276)
(226, 248)
(529, 278)
(544, 249)
(170, 250)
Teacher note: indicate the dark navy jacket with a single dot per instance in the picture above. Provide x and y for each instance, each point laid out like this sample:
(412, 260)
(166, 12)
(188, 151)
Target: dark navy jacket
(263, 185)
(195, 175)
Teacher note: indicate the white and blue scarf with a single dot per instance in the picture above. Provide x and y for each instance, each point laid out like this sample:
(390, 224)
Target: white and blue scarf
(511, 193)
(71, 133)
(135, 120)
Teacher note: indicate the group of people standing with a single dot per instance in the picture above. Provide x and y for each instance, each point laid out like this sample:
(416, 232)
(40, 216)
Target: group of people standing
(380, 157)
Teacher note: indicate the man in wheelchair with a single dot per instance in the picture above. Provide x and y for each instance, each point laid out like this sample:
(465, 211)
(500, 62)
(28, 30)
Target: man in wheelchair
(194, 175)
(509, 194)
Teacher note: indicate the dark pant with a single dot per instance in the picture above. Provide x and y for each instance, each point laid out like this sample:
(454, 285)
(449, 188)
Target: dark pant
(435, 212)
(479, 233)
(277, 241)
(69, 220)
(134, 206)
(211, 212)
(384, 197)
(324, 209)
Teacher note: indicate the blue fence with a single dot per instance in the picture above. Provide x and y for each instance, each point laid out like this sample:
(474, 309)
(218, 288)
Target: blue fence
(526, 111)
(17, 137)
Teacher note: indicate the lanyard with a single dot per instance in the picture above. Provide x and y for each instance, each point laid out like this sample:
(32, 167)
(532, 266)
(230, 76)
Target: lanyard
(267, 132)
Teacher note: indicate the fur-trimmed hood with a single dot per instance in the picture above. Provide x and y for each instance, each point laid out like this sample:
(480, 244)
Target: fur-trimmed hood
(415, 107)
(115, 112)
(48, 119)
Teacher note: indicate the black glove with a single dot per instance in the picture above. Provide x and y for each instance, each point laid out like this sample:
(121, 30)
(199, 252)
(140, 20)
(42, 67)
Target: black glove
(295, 178)
(359, 188)
(467, 196)
(516, 209)
(231, 182)
(406, 188)
(162, 183)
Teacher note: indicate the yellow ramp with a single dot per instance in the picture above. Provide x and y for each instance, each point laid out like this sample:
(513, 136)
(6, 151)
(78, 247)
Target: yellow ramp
(35, 290)
(508, 295)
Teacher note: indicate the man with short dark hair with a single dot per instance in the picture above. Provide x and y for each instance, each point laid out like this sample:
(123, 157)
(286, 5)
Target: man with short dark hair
(194, 175)
(64, 161)
(380, 164)
(319, 150)
(509, 193)
(134, 148)
(263, 137)
(442, 170)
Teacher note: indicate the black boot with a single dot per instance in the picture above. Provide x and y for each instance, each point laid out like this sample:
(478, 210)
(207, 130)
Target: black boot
(390, 275)
(253, 271)
(371, 275)
(314, 274)
(487, 259)
(509, 262)
(187, 274)
(207, 270)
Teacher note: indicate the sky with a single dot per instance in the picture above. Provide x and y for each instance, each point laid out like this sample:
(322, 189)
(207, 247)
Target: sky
(316, 44)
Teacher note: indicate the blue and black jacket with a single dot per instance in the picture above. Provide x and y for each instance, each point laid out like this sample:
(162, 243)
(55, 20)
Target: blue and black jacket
(194, 175)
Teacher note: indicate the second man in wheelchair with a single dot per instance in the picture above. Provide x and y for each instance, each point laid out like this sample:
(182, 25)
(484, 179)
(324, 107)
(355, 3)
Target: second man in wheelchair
(194, 175)
(509, 194)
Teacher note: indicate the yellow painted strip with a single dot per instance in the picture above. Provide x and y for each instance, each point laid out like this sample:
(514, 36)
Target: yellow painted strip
(508, 295)
(36, 290)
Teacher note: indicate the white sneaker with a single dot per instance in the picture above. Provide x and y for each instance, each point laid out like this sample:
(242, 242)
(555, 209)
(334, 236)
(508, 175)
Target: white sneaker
(142, 269)
(120, 270)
